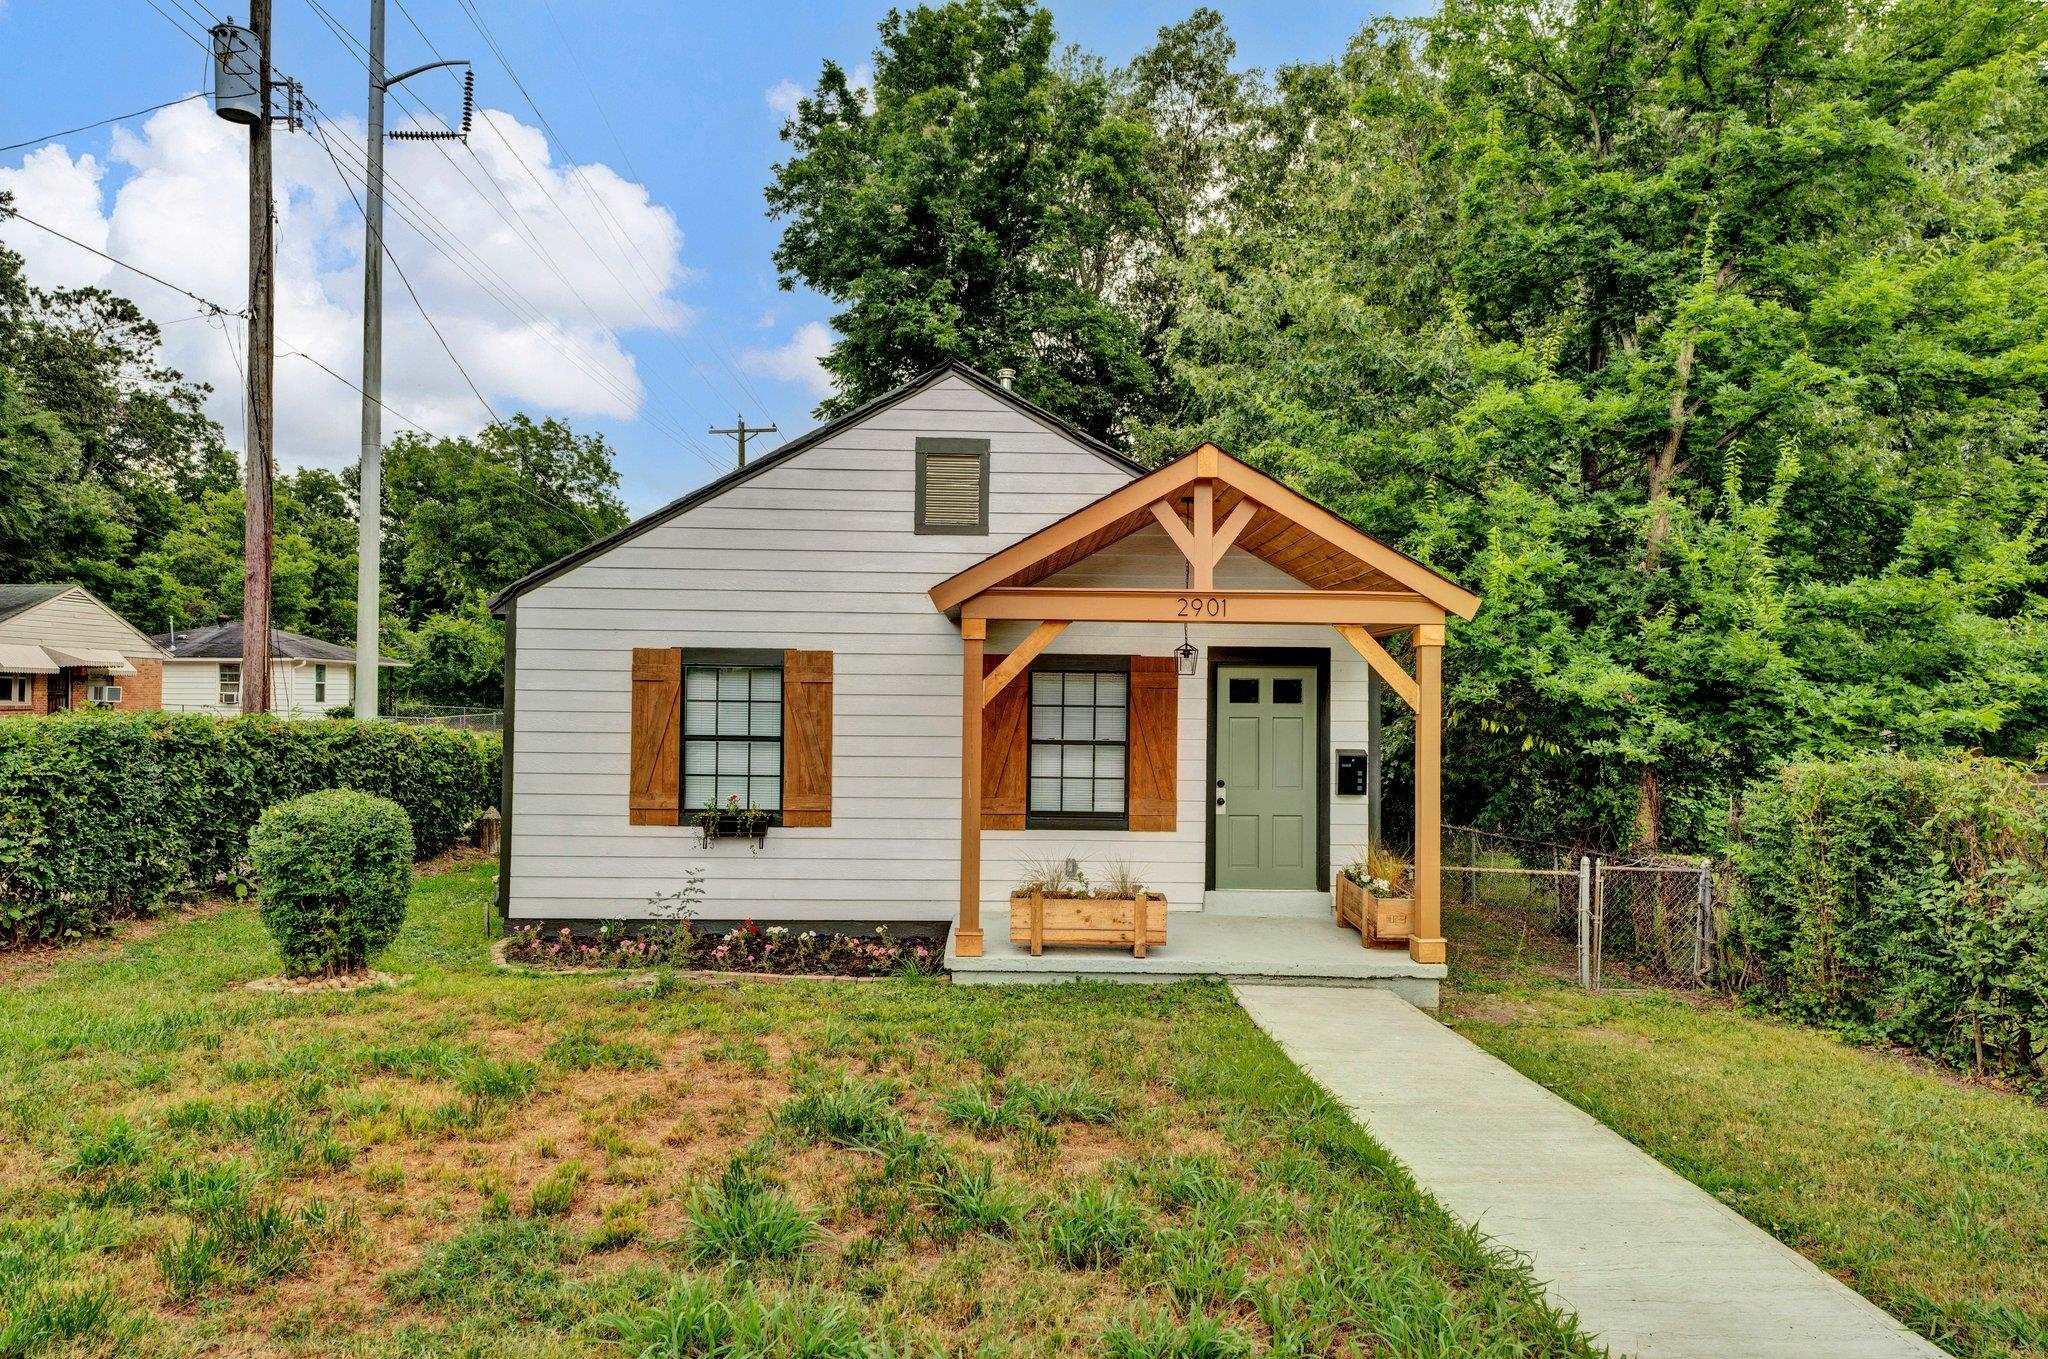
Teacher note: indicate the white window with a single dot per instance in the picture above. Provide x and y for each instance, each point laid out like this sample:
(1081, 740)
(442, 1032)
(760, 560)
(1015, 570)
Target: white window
(319, 684)
(732, 736)
(102, 692)
(17, 688)
(231, 684)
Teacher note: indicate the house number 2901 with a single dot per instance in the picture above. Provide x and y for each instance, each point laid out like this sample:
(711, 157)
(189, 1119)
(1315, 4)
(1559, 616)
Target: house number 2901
(1203, 606)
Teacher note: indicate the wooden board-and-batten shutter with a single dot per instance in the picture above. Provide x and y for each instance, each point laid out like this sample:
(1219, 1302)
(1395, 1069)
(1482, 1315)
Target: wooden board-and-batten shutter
(806, 738)
(657, 763)
(1155, 742)
(1005, 752)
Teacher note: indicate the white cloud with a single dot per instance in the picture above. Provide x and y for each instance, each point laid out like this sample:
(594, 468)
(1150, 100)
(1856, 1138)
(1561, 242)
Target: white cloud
(177, 210)
(783, 97)
(798, 360)
(784, 94)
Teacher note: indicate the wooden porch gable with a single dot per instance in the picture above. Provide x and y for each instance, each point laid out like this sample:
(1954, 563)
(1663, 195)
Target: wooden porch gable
(1206, 503)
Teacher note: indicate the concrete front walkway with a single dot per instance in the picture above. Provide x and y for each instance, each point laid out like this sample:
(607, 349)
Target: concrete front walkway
(1653, 1265)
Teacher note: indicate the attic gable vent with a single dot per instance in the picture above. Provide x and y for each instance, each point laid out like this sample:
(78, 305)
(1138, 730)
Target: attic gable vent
(952, 486)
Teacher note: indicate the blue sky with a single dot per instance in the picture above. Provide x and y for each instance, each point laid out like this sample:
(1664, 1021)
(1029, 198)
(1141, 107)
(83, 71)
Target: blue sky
(653, 330)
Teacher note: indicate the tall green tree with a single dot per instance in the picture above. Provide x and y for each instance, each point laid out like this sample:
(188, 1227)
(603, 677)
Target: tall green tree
(1707, 343)
(975, 204)
(465, 516)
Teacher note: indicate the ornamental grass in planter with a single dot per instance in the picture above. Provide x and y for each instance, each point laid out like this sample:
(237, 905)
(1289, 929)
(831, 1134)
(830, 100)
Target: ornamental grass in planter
(1372, 896)
(1055, 903)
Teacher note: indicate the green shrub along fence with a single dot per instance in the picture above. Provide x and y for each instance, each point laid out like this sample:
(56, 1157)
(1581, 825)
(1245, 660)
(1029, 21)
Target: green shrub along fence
(1901, 900)
(104, 814)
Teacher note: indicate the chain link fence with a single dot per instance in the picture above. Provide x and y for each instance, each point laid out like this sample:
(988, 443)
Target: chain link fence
(1603, 919)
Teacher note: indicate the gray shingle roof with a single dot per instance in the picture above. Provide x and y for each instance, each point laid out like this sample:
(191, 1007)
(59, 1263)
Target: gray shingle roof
(16, 598)
(223, 642)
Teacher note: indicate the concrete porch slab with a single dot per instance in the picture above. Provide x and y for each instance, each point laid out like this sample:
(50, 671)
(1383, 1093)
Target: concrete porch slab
(1269, 950)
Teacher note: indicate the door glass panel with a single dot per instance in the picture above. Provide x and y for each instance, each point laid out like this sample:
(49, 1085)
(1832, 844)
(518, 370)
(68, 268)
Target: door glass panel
(1244, 690)
(1287, 690)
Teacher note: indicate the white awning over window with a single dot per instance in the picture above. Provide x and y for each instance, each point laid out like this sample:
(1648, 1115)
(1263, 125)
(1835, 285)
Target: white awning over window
(19, 658)
(92, 658)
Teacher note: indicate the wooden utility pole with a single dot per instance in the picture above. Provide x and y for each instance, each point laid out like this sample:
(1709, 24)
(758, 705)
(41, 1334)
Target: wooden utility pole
(256, 519)
(741, 430)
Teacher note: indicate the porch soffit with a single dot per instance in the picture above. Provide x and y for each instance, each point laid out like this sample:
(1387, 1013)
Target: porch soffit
(1285, 530)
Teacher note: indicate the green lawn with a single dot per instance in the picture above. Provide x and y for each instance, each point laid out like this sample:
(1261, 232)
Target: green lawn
(1928, 1195)
(488, 1164)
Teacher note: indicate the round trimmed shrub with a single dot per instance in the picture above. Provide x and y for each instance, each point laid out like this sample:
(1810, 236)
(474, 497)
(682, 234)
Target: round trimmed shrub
(334, 869)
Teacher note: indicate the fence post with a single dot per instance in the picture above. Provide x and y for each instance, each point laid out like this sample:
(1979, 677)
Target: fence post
(1702, 921)
(1585, 922)
(1599, 921)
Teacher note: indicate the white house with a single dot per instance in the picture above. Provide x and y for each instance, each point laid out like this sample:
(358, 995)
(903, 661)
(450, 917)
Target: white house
(951, 589)
(308, 677)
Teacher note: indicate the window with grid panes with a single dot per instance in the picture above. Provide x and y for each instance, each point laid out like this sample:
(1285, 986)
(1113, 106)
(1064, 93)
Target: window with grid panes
(732, 736)
(1079, 721)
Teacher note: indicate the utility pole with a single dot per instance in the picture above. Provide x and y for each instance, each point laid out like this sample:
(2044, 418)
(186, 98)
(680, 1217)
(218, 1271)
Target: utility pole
(256, 512)
(370, 491)
(370, 482)
(740, 430)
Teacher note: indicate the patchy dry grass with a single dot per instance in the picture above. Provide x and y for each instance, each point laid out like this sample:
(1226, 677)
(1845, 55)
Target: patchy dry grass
(1925, 1193)
(483, 1163)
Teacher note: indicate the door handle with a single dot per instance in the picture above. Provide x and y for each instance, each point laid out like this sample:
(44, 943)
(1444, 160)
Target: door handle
(1222, 802)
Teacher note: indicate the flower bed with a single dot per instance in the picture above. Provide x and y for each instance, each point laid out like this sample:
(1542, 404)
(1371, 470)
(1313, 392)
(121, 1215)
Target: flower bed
(744, 948)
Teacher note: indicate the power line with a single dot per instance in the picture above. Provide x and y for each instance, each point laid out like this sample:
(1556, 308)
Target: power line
(618, 232)
(501, 291)
(15, 214)
(117, 118)
(320, 131)
(626, 159)
(523, 232)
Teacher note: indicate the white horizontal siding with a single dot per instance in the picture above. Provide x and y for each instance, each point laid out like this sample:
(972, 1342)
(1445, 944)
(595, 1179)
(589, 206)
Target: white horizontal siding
(194, 686)
(819, 553)
(75, 620)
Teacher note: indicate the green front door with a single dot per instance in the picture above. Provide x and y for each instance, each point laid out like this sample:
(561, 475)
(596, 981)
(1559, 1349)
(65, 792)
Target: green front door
(1264, 801)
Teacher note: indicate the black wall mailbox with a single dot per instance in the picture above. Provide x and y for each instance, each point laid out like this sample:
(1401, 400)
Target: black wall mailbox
(1351, 773)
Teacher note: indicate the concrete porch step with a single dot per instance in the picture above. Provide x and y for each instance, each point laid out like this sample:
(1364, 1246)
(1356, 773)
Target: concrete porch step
(1293, 905)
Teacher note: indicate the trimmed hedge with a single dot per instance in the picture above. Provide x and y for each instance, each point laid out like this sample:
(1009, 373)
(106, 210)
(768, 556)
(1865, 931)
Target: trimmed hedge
(103, 814)
(1902, 900)
(334, 870)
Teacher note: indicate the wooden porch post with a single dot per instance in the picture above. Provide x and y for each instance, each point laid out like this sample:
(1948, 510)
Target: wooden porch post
(967, 941)
(1426, 937)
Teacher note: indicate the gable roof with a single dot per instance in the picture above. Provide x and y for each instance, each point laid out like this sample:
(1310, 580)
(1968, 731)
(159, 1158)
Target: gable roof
(223, 642)
(1281, 527)
(710, 490)
(16, 599)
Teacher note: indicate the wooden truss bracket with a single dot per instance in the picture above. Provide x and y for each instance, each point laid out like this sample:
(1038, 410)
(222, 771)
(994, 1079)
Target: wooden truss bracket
(1013, 664)
(1384, 665)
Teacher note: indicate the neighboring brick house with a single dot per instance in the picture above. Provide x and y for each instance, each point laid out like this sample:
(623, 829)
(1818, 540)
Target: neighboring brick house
(62, 648)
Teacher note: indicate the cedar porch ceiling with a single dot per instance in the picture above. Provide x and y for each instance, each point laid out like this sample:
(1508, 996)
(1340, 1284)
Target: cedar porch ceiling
(1276, 536)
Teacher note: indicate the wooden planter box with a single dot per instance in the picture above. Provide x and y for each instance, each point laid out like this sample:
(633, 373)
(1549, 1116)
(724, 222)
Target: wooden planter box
(1123, 922)
(1378, 920)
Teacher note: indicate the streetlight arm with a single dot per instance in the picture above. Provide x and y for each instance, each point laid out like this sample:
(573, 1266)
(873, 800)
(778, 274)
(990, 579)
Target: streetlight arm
(404, 76)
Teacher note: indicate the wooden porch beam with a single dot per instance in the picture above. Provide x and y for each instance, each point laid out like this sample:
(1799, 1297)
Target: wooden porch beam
(1204, 555)
(1426, 929)
(1227, 532)
(1384, 665)
(1365, 608)
(967, 940)
(1176, 529)
(1013, 664)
